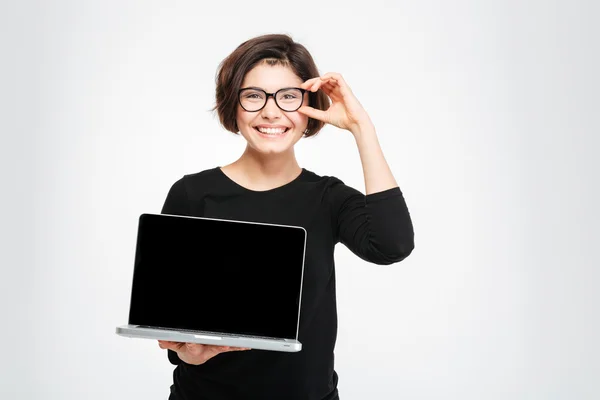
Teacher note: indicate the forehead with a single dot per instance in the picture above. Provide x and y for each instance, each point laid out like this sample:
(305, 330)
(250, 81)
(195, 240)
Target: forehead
(271, 77)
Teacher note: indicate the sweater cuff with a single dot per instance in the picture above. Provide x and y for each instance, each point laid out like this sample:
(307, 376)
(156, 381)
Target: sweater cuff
(173, 357)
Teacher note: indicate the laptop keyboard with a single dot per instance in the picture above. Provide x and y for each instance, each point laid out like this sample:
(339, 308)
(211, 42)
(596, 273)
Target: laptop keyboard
(191, 331)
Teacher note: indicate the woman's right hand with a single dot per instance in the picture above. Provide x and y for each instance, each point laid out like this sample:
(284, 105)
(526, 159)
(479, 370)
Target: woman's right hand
(195, 353)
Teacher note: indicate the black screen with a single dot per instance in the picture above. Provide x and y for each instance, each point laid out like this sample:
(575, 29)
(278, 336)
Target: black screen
(219, 276)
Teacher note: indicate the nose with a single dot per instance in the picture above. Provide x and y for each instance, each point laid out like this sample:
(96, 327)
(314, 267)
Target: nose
(270, 110)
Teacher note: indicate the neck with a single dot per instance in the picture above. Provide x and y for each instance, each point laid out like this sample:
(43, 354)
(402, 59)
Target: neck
(259, 167)
(260, 172)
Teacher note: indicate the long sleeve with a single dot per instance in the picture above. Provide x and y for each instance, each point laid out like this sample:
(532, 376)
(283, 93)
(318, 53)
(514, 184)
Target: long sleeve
(176, 203)
(376, 227)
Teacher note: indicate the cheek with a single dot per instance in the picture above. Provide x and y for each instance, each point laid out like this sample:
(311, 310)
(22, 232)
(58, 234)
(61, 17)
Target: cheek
(299, 120)
(243, 119)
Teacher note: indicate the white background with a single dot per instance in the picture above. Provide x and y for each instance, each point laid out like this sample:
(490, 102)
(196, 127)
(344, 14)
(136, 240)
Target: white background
(487, 112)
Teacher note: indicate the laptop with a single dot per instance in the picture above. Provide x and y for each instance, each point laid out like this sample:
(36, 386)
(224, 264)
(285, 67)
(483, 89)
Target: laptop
(217, 281)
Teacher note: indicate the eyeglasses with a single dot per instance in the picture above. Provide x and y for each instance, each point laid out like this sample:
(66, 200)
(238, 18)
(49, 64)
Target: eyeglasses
(254, 99)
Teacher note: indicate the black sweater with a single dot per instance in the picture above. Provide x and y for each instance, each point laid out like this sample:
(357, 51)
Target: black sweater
(376, 227)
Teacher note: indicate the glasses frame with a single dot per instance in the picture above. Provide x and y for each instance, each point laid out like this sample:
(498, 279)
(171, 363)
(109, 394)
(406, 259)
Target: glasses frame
(274, 95)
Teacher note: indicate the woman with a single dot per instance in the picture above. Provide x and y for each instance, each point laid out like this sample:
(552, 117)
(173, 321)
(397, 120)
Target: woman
(269, 90)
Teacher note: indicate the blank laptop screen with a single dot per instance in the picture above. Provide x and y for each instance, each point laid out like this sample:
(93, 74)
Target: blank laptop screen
(218, 276)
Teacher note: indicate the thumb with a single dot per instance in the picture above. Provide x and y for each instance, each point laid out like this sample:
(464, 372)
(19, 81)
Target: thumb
(313, 113)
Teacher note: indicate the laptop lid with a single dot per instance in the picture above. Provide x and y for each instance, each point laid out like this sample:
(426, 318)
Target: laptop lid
(218, 275)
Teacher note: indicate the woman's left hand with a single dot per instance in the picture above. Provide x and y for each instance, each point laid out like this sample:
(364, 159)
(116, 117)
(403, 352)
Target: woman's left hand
(345, 111)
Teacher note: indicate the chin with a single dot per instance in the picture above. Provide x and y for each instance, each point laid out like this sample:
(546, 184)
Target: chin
(271, 150)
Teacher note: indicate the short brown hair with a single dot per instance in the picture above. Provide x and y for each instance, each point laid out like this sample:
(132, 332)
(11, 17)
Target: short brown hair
(274, 49)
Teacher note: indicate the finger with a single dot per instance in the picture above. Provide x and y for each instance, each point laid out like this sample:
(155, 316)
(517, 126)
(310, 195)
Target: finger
(166, 344)
(311, 83)
(334, 75)
(308, 84)
(330, 90)
(313, 113)
(226, 349)
(239, 348)
(329, 87)
(339, 80)
(322, 81)
(194, 346)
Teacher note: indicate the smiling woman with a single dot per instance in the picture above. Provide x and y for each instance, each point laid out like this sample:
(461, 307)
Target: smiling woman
(268, 50)
(269, 91)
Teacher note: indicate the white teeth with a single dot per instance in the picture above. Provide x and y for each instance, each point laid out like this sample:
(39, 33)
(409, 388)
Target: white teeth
(271, 131)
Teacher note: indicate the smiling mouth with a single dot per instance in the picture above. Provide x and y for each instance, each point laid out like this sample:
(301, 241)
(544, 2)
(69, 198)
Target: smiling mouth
(271, 132)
